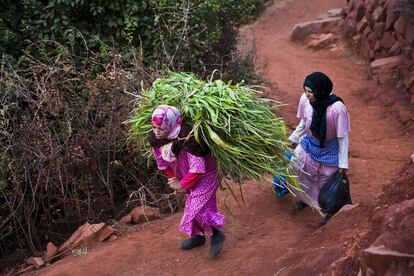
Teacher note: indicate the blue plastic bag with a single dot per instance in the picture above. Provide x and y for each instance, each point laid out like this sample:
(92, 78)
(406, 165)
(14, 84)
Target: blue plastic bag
(279, 182)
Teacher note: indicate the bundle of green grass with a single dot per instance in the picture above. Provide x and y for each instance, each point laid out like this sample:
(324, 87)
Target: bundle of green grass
(241, 130)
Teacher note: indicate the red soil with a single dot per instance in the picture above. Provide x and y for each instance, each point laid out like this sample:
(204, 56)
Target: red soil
(264, 237)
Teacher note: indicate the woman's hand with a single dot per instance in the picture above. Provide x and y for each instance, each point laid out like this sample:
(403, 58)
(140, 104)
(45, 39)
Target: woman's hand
(174, 183)
(291, 145)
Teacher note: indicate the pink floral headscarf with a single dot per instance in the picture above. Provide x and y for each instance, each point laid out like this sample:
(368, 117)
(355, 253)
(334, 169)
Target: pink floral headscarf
(167, 118)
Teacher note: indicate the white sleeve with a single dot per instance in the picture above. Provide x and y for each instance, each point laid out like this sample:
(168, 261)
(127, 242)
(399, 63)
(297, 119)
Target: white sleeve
(299, 132)
(343, 152)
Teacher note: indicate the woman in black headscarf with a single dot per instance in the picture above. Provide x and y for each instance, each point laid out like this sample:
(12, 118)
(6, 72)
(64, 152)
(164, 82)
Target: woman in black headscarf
(321, 138)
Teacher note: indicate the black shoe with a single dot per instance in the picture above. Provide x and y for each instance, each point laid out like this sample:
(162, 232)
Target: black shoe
(216, 244)
(192, 242)
(297, 206)
(324, 220)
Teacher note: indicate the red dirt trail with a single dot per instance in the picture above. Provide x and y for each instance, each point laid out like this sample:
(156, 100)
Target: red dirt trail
(260, 235)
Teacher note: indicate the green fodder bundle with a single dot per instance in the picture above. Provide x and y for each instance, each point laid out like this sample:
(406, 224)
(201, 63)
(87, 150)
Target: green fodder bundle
(241, 130)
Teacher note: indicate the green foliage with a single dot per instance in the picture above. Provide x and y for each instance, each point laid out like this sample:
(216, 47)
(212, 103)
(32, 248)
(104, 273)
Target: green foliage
(177, 33)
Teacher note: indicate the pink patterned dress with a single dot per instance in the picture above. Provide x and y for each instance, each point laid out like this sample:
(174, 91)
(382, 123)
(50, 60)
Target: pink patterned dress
(200, 212)
(311, 173)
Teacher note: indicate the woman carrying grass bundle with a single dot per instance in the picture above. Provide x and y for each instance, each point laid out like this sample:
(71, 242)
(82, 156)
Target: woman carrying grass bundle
(322, 138)
(189, 166)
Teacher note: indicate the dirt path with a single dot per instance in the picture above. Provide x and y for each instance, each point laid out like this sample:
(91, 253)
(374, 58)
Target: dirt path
(259, 234)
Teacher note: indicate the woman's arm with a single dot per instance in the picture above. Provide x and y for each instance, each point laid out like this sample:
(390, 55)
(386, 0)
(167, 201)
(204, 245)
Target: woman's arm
(186, 183)
(169, 172)
(161, 164)
(343, 152)
(190, 180)
(298, 133)
(342, 128)
(197, 167)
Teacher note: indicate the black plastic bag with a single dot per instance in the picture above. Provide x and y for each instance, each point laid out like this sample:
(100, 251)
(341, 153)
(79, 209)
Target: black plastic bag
(335, 193)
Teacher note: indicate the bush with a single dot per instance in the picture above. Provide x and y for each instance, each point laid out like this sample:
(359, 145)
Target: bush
(181, 34)
(65, 157)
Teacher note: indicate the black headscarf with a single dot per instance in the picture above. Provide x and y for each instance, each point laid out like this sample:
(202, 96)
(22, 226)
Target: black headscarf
(190, 144)
(321, 86)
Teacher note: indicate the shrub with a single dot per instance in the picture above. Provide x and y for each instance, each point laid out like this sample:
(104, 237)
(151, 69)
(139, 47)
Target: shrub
(181, 34)
(65, 158)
